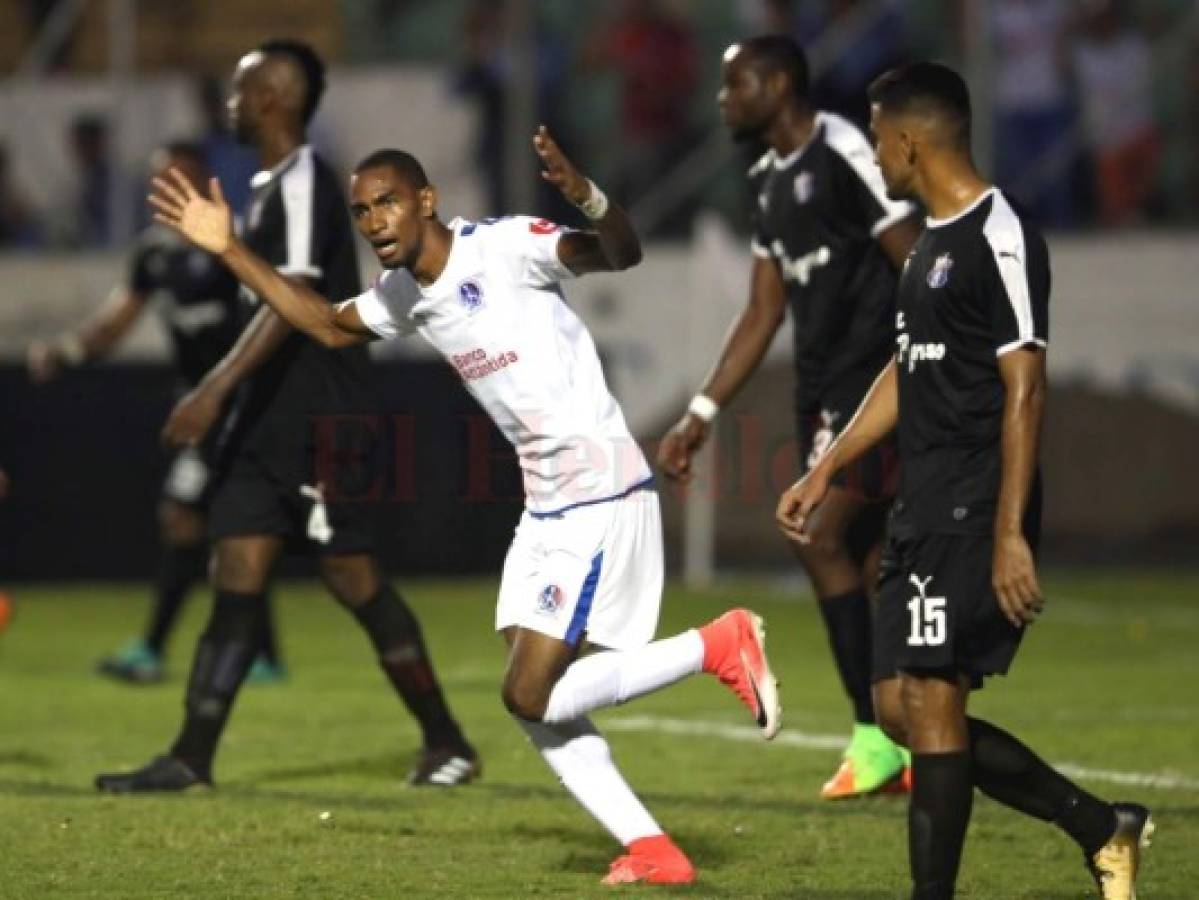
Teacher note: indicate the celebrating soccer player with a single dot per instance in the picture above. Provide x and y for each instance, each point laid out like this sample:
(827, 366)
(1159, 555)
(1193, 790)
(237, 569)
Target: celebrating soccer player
(966, 387)
(267, 491)
(584, 571)
(827, 242)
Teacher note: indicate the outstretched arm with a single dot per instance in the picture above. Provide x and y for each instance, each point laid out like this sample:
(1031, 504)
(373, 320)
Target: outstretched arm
(209, 225)
(95, 339)
(614, 244)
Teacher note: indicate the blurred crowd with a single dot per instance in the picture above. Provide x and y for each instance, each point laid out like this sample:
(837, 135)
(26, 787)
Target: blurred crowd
(1095, 103)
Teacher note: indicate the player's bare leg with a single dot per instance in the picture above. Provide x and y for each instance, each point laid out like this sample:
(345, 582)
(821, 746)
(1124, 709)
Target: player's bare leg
(549, 687)
(241, 572)
(447, 759)
(872, 760)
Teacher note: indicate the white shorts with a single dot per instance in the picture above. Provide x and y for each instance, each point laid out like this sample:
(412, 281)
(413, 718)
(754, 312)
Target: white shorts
(593, 572)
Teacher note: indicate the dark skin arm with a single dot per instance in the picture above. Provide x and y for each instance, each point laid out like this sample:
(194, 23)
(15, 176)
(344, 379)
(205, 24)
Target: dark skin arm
(1013, 570)
(97, 338)
(744, 347)
(613, 245)
(197, 410)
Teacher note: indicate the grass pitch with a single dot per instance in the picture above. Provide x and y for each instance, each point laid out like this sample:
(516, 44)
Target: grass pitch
(1105, 683)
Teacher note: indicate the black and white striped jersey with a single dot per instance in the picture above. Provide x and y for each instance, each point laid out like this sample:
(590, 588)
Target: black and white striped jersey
(298, 221)
(976, 286)
(817, 214)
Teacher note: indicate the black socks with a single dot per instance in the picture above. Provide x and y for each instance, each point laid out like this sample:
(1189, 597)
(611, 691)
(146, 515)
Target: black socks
(223, 657)
(396, 634)
(178, 569)
(847, 620)
(939, 810)
(1007, 771)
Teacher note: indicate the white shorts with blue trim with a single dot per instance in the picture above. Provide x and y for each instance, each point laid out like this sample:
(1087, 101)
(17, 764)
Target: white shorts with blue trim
(592, 572)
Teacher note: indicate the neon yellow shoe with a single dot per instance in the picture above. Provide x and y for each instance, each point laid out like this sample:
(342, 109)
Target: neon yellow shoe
(872, 762)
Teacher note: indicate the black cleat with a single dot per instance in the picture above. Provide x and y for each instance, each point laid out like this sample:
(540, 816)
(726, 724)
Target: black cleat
(446, 767)
(1114, 867)
(163, 773)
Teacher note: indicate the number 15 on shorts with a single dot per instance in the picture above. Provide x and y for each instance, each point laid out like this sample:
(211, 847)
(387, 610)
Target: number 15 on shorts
(927, 614)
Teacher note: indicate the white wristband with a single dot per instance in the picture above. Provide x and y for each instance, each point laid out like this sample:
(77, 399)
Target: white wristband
(703, 408)
(595, 207)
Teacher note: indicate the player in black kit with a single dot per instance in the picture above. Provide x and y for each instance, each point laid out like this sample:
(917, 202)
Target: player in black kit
(268, 491)
(196, 298)
(827, 243)
(966, 387)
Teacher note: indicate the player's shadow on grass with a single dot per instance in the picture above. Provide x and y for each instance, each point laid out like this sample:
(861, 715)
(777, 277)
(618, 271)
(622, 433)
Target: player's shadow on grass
(11, 788)
(382, 765)
(26, 759)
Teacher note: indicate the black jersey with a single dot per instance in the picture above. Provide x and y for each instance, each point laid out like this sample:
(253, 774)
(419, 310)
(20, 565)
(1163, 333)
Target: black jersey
(975, 286)
(297, 220)
(817, 214)
(191, 291)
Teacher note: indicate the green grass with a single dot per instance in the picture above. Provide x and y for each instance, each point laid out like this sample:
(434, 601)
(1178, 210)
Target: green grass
(1107, 681)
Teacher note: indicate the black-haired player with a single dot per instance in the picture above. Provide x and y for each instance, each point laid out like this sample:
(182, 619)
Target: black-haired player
(196, 298)
(827, 243)
(966, 388)
(268, 492)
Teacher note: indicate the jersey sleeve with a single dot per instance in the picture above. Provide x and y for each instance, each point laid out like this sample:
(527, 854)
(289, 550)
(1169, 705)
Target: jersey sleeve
(534, 244)
(141, 279)
(307, 231)
(385, 308)
(1019, 293)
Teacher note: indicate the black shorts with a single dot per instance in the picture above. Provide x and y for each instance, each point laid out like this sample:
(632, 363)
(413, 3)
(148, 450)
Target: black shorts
(936, 609)
(873, 476)
(250, 499)
(189, 478)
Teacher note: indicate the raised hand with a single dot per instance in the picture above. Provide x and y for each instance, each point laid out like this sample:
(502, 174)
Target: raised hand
(560, 171)
(206, 223)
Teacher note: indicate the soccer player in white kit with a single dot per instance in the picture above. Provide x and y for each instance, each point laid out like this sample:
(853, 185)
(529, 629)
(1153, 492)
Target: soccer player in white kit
(582, 582)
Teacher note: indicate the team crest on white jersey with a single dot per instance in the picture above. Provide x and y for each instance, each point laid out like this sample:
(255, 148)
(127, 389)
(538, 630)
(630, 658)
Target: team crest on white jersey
(803, 187)
(549, 601)
(470, 292)
(938, 275)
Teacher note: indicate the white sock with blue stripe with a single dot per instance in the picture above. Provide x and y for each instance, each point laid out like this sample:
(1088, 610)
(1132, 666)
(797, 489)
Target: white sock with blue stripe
(582, 760)
(612, 677)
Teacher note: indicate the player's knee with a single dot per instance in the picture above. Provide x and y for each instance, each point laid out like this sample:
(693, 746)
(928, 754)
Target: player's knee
(235, 569)
(352, 581)
(180, 525)
(524, 700)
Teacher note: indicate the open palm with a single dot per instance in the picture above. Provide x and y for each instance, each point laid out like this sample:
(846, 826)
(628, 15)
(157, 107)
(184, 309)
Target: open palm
(206, 223)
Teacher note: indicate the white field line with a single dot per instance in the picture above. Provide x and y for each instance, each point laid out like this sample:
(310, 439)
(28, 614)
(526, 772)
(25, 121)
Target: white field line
(791, 737)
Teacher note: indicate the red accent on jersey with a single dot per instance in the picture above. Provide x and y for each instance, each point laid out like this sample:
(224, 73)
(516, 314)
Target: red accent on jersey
(542, 226)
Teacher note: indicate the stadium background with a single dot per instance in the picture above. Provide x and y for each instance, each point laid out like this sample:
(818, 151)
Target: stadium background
(460, 83)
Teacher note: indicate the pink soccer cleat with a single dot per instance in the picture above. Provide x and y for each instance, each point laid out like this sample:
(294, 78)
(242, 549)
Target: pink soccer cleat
(651, 860)
(735, 652)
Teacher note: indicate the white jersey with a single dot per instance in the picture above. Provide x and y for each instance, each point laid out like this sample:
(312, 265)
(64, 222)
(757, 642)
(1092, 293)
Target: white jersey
(497, 315)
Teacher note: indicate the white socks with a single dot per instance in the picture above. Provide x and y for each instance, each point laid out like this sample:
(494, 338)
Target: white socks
(580, 758)
(611, 677)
